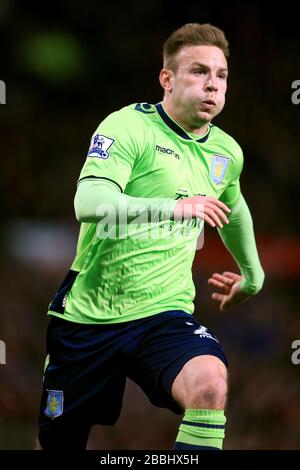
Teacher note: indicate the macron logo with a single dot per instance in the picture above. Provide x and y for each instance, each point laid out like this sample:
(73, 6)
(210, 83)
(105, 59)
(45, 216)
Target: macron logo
(170, 152)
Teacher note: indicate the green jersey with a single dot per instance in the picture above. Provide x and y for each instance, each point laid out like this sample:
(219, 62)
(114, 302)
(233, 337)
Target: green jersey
(147, 154)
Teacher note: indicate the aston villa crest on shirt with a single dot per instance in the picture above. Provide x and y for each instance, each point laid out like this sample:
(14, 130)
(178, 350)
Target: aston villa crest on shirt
(55, 403)
(218, 168)
(99, 146)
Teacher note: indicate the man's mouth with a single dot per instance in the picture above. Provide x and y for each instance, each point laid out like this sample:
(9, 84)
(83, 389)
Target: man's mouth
(210, 103)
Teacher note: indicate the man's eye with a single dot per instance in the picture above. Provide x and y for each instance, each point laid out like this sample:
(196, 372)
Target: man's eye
(199, 71)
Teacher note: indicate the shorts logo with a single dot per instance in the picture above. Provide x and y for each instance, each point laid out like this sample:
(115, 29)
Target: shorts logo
(203, 333)
(218, 168)
(55, 402)
(99, 146)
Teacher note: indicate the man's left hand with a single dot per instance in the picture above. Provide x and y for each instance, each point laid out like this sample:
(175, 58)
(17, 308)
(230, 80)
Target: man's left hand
(230, 291)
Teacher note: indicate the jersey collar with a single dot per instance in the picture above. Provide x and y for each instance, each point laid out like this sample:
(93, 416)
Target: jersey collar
(172, 124)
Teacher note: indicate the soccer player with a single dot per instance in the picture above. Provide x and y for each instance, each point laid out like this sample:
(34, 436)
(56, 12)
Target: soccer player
(154, 174)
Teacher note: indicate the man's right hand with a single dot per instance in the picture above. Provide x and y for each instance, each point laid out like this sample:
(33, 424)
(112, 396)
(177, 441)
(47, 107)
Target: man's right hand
(207, 208)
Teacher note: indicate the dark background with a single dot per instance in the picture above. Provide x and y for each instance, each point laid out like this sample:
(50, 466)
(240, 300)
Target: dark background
(66, 66)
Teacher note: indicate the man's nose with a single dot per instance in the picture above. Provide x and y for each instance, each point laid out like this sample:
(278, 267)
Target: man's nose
(211, 84)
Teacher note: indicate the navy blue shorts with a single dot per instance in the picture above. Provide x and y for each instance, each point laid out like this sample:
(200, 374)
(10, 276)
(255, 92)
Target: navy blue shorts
(85, 379)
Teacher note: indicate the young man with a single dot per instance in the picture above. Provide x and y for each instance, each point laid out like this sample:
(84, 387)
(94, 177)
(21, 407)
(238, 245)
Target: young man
(153, 175)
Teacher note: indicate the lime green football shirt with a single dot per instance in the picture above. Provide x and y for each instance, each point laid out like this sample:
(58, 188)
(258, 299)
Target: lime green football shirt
(146, 154)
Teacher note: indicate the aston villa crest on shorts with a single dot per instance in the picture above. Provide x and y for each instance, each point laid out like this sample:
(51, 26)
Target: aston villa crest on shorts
(218, 168)
(99, 146)
(55, 403)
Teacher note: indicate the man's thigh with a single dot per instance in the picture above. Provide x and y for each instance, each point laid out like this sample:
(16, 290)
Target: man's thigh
(173, 339)
(84, 381)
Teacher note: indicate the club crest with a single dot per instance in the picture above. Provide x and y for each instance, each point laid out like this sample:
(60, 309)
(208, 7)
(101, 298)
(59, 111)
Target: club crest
(55, 402)
(218, 168)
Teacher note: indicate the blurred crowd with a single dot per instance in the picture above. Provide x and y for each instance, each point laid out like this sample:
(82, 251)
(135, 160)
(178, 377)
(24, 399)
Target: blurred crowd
(66, 67)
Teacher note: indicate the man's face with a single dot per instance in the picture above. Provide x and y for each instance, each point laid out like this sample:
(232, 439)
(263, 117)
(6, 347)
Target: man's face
(197, 88)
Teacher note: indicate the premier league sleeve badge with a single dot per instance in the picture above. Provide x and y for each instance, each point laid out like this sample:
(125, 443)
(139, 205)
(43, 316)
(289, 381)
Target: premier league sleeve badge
(99, 146)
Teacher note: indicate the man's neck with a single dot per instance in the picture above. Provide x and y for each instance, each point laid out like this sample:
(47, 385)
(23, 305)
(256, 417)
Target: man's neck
(201, 130)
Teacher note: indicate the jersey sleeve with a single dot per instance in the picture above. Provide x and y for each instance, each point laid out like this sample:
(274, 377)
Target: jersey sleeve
(115, 146)
(239, 238)
(232, 193)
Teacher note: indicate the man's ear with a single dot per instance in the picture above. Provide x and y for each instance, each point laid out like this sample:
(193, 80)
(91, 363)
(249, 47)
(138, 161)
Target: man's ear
(166, 78)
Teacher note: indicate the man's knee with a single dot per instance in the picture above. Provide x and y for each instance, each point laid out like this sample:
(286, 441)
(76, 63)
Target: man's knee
(202, 383)
(37, 445)
(66, 437)
(211, 394)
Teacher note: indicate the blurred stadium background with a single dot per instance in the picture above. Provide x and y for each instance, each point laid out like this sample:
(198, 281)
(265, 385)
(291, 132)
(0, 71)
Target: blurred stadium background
(66, 66)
